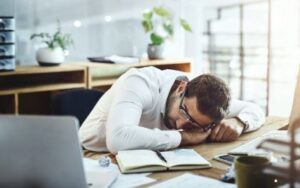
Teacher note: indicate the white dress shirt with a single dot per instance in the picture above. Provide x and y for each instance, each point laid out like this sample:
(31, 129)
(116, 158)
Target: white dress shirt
(130, 114)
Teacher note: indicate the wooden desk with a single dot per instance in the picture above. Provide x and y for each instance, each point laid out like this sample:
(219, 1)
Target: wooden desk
(209, 150)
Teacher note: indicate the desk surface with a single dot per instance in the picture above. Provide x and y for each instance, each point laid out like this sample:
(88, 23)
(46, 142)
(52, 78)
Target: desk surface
(209, 150)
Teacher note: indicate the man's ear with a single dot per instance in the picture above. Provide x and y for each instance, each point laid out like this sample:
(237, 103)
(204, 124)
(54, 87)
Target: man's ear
(181, 87)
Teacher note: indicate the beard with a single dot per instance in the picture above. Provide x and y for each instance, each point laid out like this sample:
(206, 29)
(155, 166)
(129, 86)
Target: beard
(169, 123)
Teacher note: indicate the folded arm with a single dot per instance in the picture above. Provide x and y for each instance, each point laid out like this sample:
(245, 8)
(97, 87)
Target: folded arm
(243, 117)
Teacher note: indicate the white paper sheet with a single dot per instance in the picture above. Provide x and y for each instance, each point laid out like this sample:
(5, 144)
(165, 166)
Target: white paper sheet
(111, 176)
(99, 177)
(131, 180)
(189, 181)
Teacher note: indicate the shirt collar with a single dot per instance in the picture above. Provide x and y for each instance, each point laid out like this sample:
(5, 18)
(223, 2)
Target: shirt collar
(164, 93)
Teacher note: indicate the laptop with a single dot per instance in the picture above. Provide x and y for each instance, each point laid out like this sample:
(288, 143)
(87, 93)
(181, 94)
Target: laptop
(40, 151)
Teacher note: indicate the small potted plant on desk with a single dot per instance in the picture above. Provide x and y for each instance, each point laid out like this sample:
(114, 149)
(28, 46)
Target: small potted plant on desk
(57, 43)
(159, 23)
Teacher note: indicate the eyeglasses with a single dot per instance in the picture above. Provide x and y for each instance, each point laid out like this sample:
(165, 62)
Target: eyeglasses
(187, 116)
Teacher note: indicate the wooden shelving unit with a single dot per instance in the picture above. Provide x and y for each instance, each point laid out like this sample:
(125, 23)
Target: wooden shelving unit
(29, 89)
(104, 82)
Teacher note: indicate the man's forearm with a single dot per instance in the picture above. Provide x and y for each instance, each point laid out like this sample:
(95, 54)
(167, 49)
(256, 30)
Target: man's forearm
(193, 137)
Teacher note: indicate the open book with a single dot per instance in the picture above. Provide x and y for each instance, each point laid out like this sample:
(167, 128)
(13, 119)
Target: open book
(148, 161)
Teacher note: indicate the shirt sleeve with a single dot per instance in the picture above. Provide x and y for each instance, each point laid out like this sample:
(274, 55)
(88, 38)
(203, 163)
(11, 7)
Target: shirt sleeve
(123, 131)
(250, 114)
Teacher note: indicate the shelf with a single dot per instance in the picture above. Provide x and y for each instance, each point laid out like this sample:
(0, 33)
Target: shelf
(103, 82)
(35, 69)
(42, 88)
(30, 89)
(7, 104)
(102, 74)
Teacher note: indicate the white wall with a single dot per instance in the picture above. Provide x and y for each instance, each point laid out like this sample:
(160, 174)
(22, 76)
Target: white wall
(123, 35)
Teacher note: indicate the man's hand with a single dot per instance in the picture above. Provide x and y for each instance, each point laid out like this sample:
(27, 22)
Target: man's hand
(193, 137)
(227, 130)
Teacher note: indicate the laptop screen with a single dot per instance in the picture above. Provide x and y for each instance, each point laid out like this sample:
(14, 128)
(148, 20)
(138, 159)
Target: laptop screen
(40, 151)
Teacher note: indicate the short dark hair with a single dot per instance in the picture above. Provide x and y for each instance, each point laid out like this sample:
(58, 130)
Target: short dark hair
(213, 96)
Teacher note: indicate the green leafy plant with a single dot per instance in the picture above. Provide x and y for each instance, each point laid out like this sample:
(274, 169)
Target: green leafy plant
(164, 20)
(58, 39)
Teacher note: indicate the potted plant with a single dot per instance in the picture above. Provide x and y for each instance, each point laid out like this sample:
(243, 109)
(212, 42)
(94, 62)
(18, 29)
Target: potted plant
(56, 43)
(159, 23)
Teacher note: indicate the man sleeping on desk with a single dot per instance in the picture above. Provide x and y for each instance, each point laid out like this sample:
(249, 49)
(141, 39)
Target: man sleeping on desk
(149, 108)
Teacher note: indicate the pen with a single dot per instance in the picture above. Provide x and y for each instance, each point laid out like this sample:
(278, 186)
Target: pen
(160, 155)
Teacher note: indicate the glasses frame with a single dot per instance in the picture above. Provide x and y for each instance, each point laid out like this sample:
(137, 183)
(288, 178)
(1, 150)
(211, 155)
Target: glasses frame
(187, 116)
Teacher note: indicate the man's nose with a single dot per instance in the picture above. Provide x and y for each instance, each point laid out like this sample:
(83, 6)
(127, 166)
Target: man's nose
(181, 123)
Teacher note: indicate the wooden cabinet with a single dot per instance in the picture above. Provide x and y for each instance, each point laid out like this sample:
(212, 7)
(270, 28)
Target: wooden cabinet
(29, 89)
(102, 76)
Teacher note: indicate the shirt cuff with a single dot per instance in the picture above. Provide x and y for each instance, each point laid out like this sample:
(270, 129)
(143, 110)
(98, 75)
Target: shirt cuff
(175, 139)
(243, 120)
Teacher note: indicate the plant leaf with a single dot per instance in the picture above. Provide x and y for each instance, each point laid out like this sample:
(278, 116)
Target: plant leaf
(147, 25)
(168, 27)
(161, 11)
(58, 25)
(185, 25)
(58, 39)
(156, 39)
(61, 42)
(41, 35)
(147, 15)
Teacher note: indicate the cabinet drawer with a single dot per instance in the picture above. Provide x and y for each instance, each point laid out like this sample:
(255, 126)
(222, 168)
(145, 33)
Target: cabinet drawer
(7, 63)
(7, 23)
(7, 36)
(7, 49)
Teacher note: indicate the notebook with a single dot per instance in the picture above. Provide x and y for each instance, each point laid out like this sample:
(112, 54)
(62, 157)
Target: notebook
(131, 161)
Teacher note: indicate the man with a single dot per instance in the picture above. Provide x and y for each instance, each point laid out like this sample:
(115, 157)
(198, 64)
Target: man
(149, 108)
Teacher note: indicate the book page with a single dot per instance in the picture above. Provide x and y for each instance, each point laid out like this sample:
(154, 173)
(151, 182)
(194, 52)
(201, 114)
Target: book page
(184, 157)
(131, 159)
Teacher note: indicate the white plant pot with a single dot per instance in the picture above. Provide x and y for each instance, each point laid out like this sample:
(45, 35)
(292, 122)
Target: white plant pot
(50, 57)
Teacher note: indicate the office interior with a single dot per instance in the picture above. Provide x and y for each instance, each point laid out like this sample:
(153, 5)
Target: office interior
(255, 53)
(254, 45)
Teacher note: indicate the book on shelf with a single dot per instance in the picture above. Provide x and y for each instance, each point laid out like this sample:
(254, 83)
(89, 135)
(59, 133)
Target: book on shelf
(114, 59)
(132, 161)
